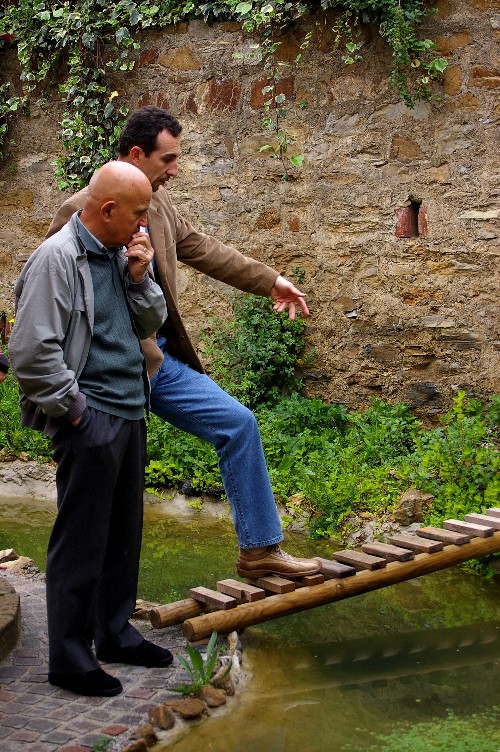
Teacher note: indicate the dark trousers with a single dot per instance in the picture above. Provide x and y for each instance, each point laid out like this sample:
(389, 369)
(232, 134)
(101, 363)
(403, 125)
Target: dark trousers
(94, 547)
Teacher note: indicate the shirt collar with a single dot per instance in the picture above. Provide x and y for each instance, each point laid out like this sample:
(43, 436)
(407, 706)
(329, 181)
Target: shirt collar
(90, 242)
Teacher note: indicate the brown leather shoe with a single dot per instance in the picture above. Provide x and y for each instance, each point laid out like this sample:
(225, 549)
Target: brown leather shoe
(273, 560)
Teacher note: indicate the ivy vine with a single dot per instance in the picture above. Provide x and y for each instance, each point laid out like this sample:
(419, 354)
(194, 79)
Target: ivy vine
(73, 51)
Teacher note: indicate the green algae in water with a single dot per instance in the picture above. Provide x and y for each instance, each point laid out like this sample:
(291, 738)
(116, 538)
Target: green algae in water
(478, 732)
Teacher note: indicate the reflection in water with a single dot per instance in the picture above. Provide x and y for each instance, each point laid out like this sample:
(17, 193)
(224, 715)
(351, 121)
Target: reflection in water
(330, 678)
(339, 695)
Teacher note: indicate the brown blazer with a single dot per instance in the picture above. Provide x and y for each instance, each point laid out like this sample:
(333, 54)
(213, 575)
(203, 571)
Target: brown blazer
(175, 239)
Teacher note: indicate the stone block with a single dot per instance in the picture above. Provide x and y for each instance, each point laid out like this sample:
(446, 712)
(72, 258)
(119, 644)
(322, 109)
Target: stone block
(485, 4)
(405, 149)
(288, 50)
(444, 8)
(445, 45)
(267, 219)
(382, 353)
(147, 57)
(437, 321)
(284, 86)
(189, 707)
(484, 77)
(162, 717)
(180, 59)
(223, 95)
(440, 174)
(147, 733)
(452, 80)
(481, 215)
(156, 98)
(14, 200)
(422, 393)
(466, 102)
(138, 746)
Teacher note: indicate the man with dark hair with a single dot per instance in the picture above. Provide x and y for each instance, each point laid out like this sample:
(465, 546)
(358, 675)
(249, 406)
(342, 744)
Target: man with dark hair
(83, 303)
(143, 127)
(181, 392)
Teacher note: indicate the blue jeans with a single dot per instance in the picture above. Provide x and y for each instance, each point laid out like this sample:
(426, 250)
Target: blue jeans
(194, 403)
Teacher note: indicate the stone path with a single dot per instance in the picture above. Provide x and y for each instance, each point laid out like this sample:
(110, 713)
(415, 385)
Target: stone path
(37, 717)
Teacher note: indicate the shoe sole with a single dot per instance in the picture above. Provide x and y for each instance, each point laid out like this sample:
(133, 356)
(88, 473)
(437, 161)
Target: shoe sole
(253, 573)
(164, 664)
(102, 693)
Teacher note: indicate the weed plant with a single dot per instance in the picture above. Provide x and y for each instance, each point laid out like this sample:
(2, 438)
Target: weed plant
(199, 668)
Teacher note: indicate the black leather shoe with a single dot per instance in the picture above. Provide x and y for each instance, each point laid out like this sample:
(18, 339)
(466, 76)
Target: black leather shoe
(145, 654)
(96, 683)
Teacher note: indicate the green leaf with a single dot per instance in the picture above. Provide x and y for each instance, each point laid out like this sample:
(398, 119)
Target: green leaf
(197, 660)
(297, 160)
(121, 34)
(88, 40)
(243, 8)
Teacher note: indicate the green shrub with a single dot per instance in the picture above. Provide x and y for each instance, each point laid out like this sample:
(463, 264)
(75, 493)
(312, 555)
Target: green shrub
(175, 456)
(459, 462)
(255, 355)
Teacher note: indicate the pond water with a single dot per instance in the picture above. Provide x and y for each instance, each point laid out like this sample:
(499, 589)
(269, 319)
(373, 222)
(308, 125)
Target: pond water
(384, 672)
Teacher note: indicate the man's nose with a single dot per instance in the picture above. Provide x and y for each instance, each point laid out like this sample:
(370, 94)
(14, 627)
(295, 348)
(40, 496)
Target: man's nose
(173, 170)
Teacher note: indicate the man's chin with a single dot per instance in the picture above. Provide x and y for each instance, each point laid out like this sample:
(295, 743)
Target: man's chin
(158, 184)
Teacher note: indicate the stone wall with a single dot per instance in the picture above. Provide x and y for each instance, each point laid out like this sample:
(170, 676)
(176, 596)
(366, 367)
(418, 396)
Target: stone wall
(407, 318)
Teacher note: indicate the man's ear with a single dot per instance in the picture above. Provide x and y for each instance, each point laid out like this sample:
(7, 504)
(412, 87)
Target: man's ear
(135, 155)
(107, 210)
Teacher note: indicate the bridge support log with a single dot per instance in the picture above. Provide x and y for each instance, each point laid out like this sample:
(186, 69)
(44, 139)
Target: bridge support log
(175, 613)
(275, 606)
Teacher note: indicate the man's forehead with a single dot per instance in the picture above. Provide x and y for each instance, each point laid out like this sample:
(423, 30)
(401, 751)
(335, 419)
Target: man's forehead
(167, 144)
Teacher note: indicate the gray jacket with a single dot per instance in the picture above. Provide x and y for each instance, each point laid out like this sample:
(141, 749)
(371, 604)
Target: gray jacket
(51, 338)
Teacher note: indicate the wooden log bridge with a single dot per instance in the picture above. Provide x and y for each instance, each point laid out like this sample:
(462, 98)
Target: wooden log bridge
(236, 605)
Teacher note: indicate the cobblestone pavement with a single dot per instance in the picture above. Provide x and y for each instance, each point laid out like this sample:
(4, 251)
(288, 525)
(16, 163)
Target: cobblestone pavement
(37, 717)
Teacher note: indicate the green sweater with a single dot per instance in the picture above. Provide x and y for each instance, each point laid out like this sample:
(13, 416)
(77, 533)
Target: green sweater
(112, 379)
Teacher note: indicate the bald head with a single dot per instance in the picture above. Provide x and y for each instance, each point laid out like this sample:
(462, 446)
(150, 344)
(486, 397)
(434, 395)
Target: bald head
(117, 203)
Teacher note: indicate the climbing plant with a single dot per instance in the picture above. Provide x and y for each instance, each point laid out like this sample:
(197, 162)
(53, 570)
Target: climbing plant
(74, 51)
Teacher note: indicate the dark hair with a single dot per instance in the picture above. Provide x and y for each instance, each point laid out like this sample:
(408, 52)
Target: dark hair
(143, 127)
(4, 363)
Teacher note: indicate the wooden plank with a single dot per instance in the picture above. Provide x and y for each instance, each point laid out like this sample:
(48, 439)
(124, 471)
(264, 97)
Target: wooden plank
(335, 568)
(481, 531)
(212, 598)
(359, 560)
(484, 519)
(274, 584)
(387, 551)
(414, 543)
(447, 536)
(310, 579)
(333, 590)
(241, 590)
(493, 512)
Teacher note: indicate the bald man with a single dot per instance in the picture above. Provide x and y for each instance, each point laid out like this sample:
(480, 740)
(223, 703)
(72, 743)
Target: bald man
(83, 302)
